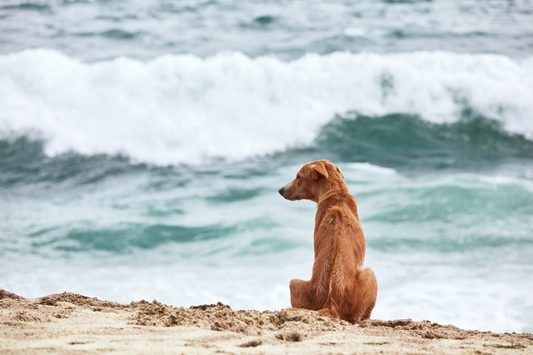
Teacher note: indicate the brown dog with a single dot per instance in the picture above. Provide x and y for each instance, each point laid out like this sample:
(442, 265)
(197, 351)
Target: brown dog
(339, 286)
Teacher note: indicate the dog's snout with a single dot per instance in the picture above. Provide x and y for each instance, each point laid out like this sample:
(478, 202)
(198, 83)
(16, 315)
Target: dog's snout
(284, 191)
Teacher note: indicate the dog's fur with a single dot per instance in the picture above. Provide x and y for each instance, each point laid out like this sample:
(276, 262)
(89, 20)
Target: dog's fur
(339, 286)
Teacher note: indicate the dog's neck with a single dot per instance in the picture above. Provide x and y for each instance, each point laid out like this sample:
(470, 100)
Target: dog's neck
(334, 189)
(325, 196)
(333, 196)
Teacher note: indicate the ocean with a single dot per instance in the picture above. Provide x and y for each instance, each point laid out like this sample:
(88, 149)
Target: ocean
(142, 146)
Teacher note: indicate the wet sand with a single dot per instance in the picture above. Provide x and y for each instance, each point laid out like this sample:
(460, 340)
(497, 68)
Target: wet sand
(69, 323)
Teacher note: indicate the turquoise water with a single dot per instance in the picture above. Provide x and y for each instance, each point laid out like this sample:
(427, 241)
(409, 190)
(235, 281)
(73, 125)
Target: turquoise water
(142, 147)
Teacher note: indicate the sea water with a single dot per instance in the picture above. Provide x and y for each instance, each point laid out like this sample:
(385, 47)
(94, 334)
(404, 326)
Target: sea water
(142, 145)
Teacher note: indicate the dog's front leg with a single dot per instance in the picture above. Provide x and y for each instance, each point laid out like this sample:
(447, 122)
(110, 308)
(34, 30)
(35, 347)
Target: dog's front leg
(306, 294)
(312, 294)
(299, 294)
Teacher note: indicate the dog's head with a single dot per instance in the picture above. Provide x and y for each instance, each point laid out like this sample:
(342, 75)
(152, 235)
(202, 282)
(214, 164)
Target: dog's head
(309, 180)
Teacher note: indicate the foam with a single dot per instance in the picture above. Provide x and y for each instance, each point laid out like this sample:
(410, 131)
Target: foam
(185, 109)
(374, 169)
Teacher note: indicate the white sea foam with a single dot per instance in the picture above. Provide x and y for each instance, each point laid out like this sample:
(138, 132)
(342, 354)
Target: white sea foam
(184, 109)
(374, 169)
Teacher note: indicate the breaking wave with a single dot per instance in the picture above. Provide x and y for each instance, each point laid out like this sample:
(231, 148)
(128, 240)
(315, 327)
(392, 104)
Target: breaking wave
(182, 109)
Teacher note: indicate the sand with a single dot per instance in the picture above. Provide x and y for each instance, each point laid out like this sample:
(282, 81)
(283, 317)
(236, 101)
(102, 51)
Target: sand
(69, 323)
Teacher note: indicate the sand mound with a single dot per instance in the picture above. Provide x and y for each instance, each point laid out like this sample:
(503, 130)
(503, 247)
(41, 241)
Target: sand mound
(221, 317)
(65, 322)
(217, 317)
(78, 300)
(6, 294)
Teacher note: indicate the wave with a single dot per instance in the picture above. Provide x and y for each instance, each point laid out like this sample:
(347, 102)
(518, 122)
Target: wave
(185, 109)
(381, 145)
(409, 142)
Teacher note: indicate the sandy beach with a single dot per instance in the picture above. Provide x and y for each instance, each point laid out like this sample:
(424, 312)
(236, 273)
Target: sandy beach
(70, 323)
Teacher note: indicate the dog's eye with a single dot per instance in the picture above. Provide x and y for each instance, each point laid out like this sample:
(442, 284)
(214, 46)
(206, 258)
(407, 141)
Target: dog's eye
(297, 176)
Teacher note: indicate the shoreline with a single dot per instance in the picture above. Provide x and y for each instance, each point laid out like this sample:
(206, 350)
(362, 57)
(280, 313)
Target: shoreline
(70, 323)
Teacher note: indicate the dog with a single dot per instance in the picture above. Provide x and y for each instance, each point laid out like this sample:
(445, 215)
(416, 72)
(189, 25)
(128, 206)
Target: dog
(339, 287)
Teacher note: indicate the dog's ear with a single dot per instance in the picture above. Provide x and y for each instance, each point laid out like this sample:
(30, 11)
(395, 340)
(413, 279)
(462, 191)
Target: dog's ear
(339, 170)
(320, 168)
